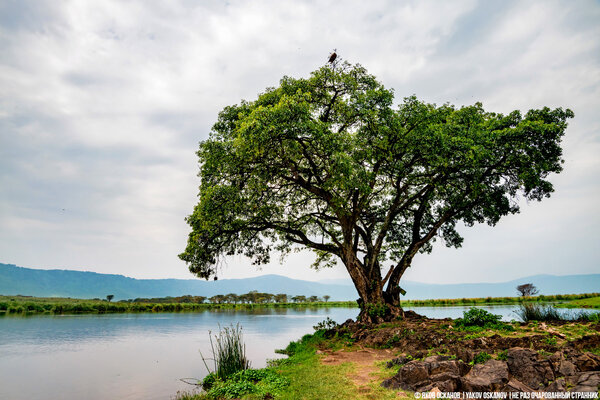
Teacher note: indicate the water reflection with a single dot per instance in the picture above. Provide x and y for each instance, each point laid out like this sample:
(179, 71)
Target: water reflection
(121, 356)
(134, 355)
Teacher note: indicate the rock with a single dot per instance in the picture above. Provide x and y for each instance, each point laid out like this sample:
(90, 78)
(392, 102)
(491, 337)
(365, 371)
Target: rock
(435, 391)
(514, 385)
(490, 376)
(410, 376)
(529, 367)
(463, 353)
(587, 382)
(433, 371)
(566, 368)
(444, 383)
(586, 361)
(398, 361)
(558, 385)
(442, 364)
(414, 372)
(435, 358)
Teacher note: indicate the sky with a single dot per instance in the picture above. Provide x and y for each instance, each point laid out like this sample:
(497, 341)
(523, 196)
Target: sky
(103, 104)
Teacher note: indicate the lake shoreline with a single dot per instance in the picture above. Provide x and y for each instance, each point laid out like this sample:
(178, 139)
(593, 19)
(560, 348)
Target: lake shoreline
(418, 355)
(26, 305)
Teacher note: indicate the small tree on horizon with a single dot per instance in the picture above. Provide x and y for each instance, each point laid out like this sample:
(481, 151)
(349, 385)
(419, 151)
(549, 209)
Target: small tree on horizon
(313, 299)
(110, 297)
(326, 298)
(281, 298)
(527, 289)
(328, 164)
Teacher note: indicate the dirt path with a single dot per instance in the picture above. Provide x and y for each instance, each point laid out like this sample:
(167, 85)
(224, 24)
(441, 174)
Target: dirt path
(364, 359)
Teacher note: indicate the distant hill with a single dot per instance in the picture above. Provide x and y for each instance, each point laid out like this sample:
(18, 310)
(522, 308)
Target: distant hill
(67, 283)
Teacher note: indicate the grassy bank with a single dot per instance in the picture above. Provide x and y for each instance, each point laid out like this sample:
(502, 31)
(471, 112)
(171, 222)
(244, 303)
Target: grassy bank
(559, 298)
(19, 305)
(352, 362)
(300, 376)
(590, 302)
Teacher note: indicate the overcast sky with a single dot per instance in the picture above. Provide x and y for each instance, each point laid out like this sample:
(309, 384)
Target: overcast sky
(103, 103)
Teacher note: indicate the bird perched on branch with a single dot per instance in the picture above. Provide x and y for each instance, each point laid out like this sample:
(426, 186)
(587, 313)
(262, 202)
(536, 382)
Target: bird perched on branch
(332, 56)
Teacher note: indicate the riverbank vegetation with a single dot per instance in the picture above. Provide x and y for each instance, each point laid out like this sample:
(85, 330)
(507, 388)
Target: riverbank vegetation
(558, 298)
(301, 375)
(544, 312)
(587, 302)
(18, 305)
(391, 360)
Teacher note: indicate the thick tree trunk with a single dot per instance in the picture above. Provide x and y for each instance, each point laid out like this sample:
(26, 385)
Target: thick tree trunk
(392, 292)
(375, 305)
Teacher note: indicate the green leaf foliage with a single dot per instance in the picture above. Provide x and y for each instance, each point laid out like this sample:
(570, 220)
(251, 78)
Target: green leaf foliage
(478, 317)
(330, 164)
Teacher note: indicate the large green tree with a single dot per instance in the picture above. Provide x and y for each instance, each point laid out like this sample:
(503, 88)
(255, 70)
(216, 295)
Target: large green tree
(327, 163)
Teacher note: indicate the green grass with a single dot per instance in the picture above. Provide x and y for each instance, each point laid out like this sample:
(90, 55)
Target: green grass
(591, 302)
(309, 379)
(501, 300)
(302, 376)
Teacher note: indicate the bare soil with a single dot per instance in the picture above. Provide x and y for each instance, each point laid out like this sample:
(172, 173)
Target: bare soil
(364, 361)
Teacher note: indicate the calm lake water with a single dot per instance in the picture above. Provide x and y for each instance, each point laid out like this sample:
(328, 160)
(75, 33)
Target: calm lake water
(143, 356)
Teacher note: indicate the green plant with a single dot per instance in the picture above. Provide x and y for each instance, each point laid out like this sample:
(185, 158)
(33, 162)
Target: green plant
(478, 317)
(228, 351)
(209, 381)
(502, 355)
(375, 310)
(326, 324)
(480, 358)
(324, 150)
(231, 390)
(550, 340)
(535, 312)
(391, 342)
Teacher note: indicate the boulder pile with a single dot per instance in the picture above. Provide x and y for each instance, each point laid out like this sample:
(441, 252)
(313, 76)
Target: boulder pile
(519, 370)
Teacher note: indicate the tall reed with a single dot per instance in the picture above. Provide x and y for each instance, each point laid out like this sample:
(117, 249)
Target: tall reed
(228, 351)
(535, 312)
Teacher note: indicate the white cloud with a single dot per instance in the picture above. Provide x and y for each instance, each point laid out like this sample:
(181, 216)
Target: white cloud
(102, 105)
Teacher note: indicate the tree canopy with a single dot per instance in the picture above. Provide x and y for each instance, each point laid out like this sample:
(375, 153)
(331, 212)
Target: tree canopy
(329, 164)
(527, 289)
